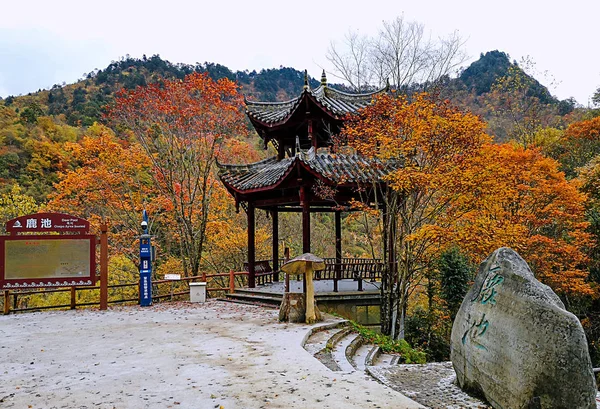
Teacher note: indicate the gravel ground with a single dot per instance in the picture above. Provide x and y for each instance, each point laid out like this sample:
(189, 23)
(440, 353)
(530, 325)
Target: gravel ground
(176, 355)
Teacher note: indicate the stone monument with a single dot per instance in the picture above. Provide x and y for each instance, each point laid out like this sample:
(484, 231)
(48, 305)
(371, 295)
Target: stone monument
(514, 343)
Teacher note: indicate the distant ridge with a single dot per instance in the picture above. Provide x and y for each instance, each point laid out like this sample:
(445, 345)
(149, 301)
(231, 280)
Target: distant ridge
(81, 103)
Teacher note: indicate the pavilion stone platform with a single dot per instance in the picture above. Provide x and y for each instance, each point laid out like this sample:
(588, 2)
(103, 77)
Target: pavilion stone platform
(360, 306)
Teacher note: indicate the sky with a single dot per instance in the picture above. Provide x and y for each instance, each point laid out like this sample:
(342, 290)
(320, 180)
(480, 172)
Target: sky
(43, 43)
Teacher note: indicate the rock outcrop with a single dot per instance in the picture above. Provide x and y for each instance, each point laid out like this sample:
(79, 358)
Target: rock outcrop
(514, 342)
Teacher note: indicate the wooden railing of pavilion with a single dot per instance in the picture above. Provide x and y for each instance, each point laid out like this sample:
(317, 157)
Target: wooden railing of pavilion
(358, 269)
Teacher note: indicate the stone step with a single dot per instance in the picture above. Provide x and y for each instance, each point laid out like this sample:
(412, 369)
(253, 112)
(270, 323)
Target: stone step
(333, 340)
(339, 352)
(253, 297)
(322, 341)
(384, 359)
(269, 294)
(351, 349)
(395, 360)
(372, 355)
(359, 358)
(317, 341)
(249, 302)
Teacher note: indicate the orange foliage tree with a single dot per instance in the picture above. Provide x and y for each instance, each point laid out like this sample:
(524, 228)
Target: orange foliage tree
(113, 181)
(519, 199)
(110, 182)
(456, 188)
(579, 144)
(182, 127)
(435, 144)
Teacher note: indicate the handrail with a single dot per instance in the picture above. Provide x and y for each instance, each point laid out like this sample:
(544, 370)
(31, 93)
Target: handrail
(350, 268)
(161, 292)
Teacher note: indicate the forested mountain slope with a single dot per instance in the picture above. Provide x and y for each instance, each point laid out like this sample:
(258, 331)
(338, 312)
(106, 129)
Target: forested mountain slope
(34, 127)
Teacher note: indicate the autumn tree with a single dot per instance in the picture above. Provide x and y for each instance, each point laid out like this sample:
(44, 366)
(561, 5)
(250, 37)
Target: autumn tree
(15, 203)
(589, 178)
(580, 144)
(182, 127)
(577, 149)
(520, 199)
(434, 143)
(573, 147)
(110, 182)
(453, 187)
(114, 181)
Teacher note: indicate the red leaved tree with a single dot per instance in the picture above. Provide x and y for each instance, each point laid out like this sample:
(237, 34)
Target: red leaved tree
(183, 128)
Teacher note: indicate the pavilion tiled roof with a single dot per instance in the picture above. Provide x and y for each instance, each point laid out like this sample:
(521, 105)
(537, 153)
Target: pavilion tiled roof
(336, 102)
(337, 168)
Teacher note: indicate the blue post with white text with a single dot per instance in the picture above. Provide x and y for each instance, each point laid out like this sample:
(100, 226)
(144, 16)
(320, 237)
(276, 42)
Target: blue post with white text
(145, 264)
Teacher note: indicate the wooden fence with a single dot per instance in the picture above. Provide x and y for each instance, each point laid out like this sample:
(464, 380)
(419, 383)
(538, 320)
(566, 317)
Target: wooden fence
(161, 290)
(349, 268)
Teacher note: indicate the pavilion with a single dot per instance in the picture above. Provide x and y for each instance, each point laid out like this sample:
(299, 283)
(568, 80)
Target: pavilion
(294, 180)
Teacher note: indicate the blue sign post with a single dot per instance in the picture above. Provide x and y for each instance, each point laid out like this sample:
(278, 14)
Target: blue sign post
(145, 264)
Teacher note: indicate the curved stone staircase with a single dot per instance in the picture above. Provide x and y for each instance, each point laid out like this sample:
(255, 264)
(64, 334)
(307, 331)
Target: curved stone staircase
(341, 349)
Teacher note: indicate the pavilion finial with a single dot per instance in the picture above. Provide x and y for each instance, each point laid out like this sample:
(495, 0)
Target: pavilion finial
(324, 79)
(305, 79)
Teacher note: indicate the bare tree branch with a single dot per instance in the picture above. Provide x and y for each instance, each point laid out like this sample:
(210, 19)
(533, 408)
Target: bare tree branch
(401, 53)
(352, 61)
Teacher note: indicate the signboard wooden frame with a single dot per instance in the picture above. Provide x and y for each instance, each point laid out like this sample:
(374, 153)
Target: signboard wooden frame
(60, 261)
(55, 260)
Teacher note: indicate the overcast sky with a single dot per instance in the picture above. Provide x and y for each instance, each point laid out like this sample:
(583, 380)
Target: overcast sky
(53, 41)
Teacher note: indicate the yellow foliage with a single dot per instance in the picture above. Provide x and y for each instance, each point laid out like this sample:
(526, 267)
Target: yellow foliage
(16, 203)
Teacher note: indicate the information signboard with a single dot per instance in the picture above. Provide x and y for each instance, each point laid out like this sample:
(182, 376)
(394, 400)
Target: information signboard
(31, 261)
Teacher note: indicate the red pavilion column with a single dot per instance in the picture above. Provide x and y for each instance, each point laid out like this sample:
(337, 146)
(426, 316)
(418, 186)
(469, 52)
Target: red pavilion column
(305, 225)
(251, 248)
(275, 218)
(305, 220)
(338, 249)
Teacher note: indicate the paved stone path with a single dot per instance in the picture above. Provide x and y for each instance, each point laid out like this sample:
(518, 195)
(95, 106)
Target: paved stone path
(432, 385)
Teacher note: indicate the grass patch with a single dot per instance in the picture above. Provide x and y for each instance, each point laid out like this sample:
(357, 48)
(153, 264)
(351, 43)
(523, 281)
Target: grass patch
(388, 345)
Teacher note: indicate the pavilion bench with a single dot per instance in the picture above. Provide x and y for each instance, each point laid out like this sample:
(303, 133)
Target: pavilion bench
(263, 271)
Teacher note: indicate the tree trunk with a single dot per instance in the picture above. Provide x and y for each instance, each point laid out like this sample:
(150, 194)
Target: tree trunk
(388, 279)
(402, 303)
(293, 308)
